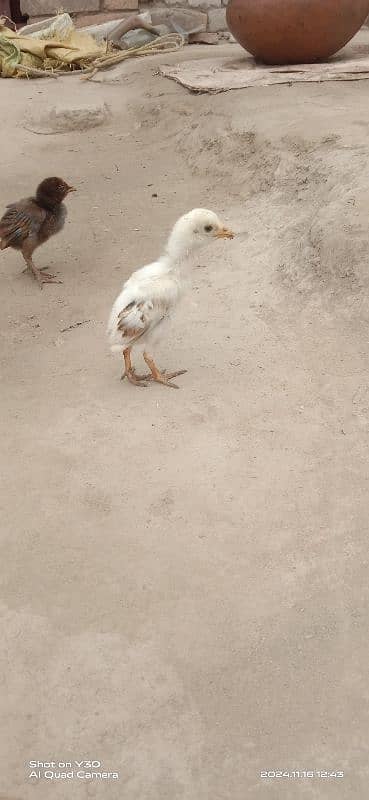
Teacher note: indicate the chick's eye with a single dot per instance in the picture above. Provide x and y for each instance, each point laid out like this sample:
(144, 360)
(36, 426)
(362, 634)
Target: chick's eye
(208, 228)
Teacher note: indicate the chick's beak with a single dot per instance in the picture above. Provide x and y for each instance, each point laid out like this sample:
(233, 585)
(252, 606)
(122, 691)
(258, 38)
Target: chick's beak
(71, 189)
(224, 233)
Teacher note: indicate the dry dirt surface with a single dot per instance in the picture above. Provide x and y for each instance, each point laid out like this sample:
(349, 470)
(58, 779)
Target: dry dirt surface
(185, 574)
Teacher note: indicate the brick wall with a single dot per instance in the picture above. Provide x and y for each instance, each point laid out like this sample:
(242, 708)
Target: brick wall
(209, 14)
(46, 8)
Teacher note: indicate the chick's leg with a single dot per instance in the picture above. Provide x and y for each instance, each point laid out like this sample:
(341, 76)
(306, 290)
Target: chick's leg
(38, 274)
(163, 376)
(129, 371)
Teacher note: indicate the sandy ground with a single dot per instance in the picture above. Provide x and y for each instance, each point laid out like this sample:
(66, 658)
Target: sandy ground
(185, 574)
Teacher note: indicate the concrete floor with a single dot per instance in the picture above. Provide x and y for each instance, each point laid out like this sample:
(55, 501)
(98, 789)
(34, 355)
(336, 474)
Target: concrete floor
(185, 574)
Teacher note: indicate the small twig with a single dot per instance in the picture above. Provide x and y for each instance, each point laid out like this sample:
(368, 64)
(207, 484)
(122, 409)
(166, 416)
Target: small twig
(75, 325)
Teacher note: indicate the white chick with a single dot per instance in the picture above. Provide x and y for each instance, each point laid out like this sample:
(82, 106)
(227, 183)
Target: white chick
(150, 294)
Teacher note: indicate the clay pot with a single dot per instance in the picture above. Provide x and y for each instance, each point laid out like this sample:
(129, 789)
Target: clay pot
(295, 31)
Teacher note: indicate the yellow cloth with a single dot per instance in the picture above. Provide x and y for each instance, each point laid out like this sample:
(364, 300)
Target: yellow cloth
(9, 57)
(79, 49)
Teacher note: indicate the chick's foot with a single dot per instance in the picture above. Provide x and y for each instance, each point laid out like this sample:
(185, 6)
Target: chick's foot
(137, 380)
(162, 376)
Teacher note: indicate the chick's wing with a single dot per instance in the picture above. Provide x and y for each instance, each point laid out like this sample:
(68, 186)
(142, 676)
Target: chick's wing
(21, 220)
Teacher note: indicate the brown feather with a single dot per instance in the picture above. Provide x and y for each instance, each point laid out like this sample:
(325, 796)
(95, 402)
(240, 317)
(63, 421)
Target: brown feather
(21, 220)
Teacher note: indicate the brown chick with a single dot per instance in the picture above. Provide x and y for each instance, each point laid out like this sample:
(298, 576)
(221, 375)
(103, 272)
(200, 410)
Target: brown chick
(30, 222)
